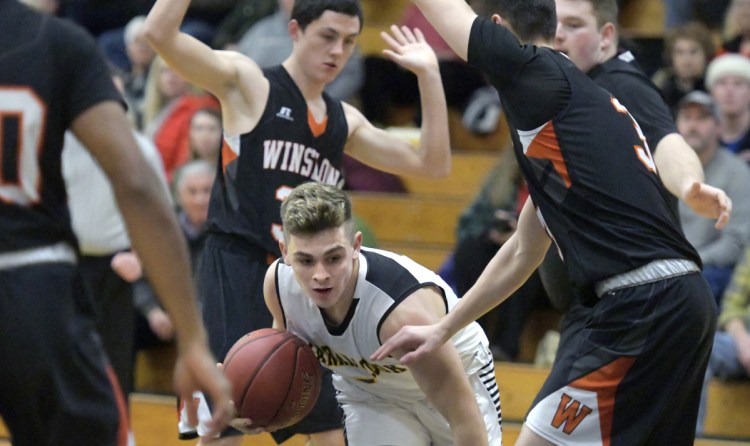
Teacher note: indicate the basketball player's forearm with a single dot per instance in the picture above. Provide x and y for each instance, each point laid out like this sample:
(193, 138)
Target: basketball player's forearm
(677, 164)
(452, 19)
(435, 137)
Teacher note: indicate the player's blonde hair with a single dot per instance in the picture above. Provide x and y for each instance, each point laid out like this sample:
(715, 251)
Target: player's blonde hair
(315, 207)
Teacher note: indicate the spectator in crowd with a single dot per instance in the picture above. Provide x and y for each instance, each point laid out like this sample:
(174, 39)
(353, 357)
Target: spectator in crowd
(737, 29)
(483, 227)
(698, 121)
(728, 81)
(192, 186)
(206, 135)
(730, 355)
(169, 104)
(687, 51)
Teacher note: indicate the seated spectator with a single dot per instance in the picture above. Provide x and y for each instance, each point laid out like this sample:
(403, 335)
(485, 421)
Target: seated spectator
(169, 104)
(268, 43)
(737, 29)
(192, 186)
(730, 356)
(728, 81)
(698, 122)
(483, 227)
(206, 135)
(687, 51)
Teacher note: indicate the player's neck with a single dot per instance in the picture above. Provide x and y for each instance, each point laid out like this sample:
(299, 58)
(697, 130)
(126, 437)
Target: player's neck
(311, 90)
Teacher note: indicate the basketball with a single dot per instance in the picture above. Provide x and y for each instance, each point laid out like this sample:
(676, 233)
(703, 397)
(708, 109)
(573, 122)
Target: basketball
(275, 378)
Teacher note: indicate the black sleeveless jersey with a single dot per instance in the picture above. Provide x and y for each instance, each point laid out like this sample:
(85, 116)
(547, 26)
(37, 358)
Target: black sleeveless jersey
(586, 161)
(259, 169)
(50, 72)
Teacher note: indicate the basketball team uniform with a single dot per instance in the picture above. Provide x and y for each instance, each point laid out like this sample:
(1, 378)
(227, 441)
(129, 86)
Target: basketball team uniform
(596, 191)
(56, 385)
(623, 77)
(382, 402)
(257, 170)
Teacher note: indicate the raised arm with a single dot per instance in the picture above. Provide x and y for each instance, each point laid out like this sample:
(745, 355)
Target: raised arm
(682, 174)
(382, 150)
(452, 19)
(440, 375)
(234, 79)
(156, 236)
(506, 272)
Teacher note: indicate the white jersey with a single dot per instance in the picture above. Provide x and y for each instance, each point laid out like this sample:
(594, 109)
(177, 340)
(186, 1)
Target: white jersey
(385, 279)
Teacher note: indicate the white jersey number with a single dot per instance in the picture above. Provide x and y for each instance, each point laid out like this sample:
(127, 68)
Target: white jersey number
(22, 122)
(643, 152)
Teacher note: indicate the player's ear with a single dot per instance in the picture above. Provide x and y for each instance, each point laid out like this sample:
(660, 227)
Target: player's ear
(282, 248)
(497, 19)
(609, 35)
(357, 244)
(294, 29)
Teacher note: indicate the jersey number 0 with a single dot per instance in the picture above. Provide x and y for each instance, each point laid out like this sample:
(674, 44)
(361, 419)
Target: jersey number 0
(22, 122)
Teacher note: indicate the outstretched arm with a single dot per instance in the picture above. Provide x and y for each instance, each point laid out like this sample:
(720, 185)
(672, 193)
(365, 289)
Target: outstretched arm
(385, 151)
(440, 375)
(156, 236)
(506, 272)
(452, 19)
(682, 174)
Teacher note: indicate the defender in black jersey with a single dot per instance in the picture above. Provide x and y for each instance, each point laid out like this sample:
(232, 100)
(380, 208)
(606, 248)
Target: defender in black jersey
(56, 384)
(282, 130)
(587, 33)
(595, 190)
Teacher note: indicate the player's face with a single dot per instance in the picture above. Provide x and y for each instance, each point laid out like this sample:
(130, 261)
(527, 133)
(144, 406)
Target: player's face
(325, 46)
(698, 127)
(578, 35)
(324, 265)
(688, 59)
(194, 195)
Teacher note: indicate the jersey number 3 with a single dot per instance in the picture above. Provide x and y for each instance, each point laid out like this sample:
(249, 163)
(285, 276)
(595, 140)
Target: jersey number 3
(22, 121)
(643, 152)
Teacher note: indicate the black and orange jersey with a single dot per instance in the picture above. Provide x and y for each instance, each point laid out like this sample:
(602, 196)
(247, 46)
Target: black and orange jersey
(69, 76)
(586, 161)
(259, 169)
(624, 78)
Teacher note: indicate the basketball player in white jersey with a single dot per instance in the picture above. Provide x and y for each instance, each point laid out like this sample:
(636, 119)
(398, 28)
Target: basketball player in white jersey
(345, 299)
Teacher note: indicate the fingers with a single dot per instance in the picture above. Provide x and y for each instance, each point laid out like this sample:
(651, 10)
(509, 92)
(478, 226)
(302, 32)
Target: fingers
(725, 211)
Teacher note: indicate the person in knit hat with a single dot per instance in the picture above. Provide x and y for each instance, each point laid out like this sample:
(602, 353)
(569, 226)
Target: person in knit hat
(728, 81)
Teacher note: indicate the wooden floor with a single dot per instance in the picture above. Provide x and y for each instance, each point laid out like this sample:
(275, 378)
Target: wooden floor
(154, 421)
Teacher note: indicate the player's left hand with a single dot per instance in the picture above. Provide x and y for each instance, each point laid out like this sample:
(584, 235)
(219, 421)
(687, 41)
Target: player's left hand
(245, 425)
(410, 49)
(709, 202)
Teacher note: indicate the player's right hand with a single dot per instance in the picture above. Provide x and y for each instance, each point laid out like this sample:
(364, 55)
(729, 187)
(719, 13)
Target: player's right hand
(411, 342)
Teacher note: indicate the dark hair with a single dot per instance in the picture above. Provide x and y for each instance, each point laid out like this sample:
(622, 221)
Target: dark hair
(695, 31)
(529, 19)
(307, 11)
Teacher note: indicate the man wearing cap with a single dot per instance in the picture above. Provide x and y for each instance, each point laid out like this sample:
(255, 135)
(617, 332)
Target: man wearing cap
(698, 122)
(728, 80)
